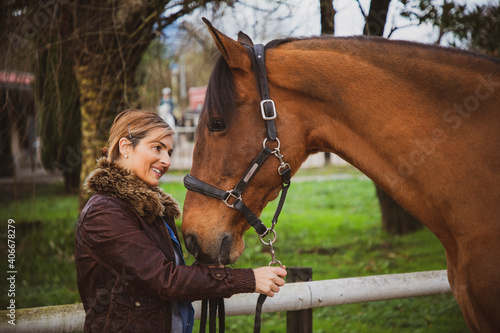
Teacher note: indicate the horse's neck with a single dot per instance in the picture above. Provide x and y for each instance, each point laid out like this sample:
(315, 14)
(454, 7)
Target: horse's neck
(394, 118)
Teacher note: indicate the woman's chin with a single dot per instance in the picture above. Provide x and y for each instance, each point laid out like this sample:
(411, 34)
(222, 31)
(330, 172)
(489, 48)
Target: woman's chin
(152, 182)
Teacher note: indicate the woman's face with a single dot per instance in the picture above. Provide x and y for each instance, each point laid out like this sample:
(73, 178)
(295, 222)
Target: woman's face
(150, 159)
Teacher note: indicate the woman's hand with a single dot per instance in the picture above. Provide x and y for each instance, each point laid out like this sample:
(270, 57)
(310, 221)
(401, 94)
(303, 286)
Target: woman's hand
(268, 280)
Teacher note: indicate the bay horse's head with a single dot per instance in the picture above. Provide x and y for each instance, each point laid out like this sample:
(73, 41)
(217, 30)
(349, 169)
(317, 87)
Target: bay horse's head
(231, 132)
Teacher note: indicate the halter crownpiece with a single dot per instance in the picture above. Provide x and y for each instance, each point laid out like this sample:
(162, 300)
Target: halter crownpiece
(267, 106)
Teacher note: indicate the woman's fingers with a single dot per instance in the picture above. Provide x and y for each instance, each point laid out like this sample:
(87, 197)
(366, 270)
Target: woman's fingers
(268, 280)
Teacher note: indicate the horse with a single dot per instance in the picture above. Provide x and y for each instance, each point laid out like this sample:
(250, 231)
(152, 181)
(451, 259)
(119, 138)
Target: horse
(421, 121)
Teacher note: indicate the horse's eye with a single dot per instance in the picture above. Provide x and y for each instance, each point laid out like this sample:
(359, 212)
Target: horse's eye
(216, 125)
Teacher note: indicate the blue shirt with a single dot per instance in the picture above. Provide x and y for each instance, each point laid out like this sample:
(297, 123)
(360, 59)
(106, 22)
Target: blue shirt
(186, 310)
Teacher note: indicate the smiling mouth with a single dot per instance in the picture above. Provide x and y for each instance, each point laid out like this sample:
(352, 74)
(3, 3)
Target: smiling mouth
(157, 171)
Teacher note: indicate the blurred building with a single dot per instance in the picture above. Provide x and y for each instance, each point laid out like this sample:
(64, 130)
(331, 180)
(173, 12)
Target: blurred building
(18, 140)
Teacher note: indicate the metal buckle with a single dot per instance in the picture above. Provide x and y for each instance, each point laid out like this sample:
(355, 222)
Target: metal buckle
(264, 101)
(231, 195)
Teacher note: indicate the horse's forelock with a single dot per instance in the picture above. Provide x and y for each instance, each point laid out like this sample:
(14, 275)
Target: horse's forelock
(220, 100)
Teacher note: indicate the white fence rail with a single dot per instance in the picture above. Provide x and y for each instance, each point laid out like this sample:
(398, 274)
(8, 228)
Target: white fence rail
(292, 297)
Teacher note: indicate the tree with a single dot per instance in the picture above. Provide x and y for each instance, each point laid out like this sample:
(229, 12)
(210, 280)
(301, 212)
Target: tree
(95, 46)
(376, 18)
(477, 28)
(57, 95)
(395, 219)
(33, 41)
(327, 14)
(327, 17)
(191, 49)
(480, 29)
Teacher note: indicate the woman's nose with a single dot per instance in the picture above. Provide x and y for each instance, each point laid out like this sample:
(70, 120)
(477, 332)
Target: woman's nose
(165, 160)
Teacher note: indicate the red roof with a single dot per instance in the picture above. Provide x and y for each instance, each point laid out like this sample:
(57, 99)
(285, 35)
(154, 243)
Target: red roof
(13, 78)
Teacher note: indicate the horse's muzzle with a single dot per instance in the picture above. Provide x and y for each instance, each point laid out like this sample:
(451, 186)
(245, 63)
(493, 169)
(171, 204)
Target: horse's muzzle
(218, 253)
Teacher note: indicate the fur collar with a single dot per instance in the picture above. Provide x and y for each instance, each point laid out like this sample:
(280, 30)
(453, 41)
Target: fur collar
(149, 202)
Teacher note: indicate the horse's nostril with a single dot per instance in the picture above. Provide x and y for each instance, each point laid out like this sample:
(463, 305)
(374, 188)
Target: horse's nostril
(192, 244)
(225, 249)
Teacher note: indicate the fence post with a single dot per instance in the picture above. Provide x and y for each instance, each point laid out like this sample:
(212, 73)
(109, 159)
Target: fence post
(299, 321)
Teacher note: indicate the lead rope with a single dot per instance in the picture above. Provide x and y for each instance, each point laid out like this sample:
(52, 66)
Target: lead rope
(258, 313)
(214, 304)
(212, 307)
(262, 297)
(285, 175)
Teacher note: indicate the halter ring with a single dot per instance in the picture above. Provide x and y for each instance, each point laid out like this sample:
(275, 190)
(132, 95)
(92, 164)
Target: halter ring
(264, 144)
(270, 242)
(231, 195)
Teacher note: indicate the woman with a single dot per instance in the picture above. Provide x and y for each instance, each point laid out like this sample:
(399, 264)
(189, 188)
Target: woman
(130, 270)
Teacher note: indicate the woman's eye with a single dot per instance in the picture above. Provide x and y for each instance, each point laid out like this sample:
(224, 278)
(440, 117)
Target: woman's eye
(216, 125)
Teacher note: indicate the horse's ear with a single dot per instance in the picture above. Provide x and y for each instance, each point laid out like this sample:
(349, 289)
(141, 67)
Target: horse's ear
(234, 53)
(243, 38)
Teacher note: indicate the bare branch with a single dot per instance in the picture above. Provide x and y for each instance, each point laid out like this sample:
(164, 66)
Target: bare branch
(393, 29)
(361, 9)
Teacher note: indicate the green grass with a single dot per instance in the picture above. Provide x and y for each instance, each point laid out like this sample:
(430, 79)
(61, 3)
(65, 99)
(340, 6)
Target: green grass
(44, 247)
(332, 226)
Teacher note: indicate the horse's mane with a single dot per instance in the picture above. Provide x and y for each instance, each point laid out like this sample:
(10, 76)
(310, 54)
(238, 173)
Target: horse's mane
(220, 97)
(344, 44)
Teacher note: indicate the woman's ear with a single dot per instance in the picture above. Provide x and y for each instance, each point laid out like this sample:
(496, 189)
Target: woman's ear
(125, 146)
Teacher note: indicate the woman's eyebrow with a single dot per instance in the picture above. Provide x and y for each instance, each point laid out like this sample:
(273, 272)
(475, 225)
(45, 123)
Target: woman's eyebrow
(158, 142)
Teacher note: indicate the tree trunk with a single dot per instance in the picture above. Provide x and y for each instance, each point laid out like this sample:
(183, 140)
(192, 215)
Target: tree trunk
(59, 114)
(102, 97)
(377, 16)
(327, 28)
(110, 39)
(88, 53)
(327, 17)
(395, 219)
(46, 49)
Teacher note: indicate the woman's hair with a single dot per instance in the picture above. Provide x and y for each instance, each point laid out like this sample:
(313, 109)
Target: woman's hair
(134, 125)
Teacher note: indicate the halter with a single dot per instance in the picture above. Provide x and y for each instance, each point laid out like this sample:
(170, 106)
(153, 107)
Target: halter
(232, 198)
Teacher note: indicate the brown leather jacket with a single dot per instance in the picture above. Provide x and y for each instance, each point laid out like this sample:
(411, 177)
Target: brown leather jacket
(126, 272)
